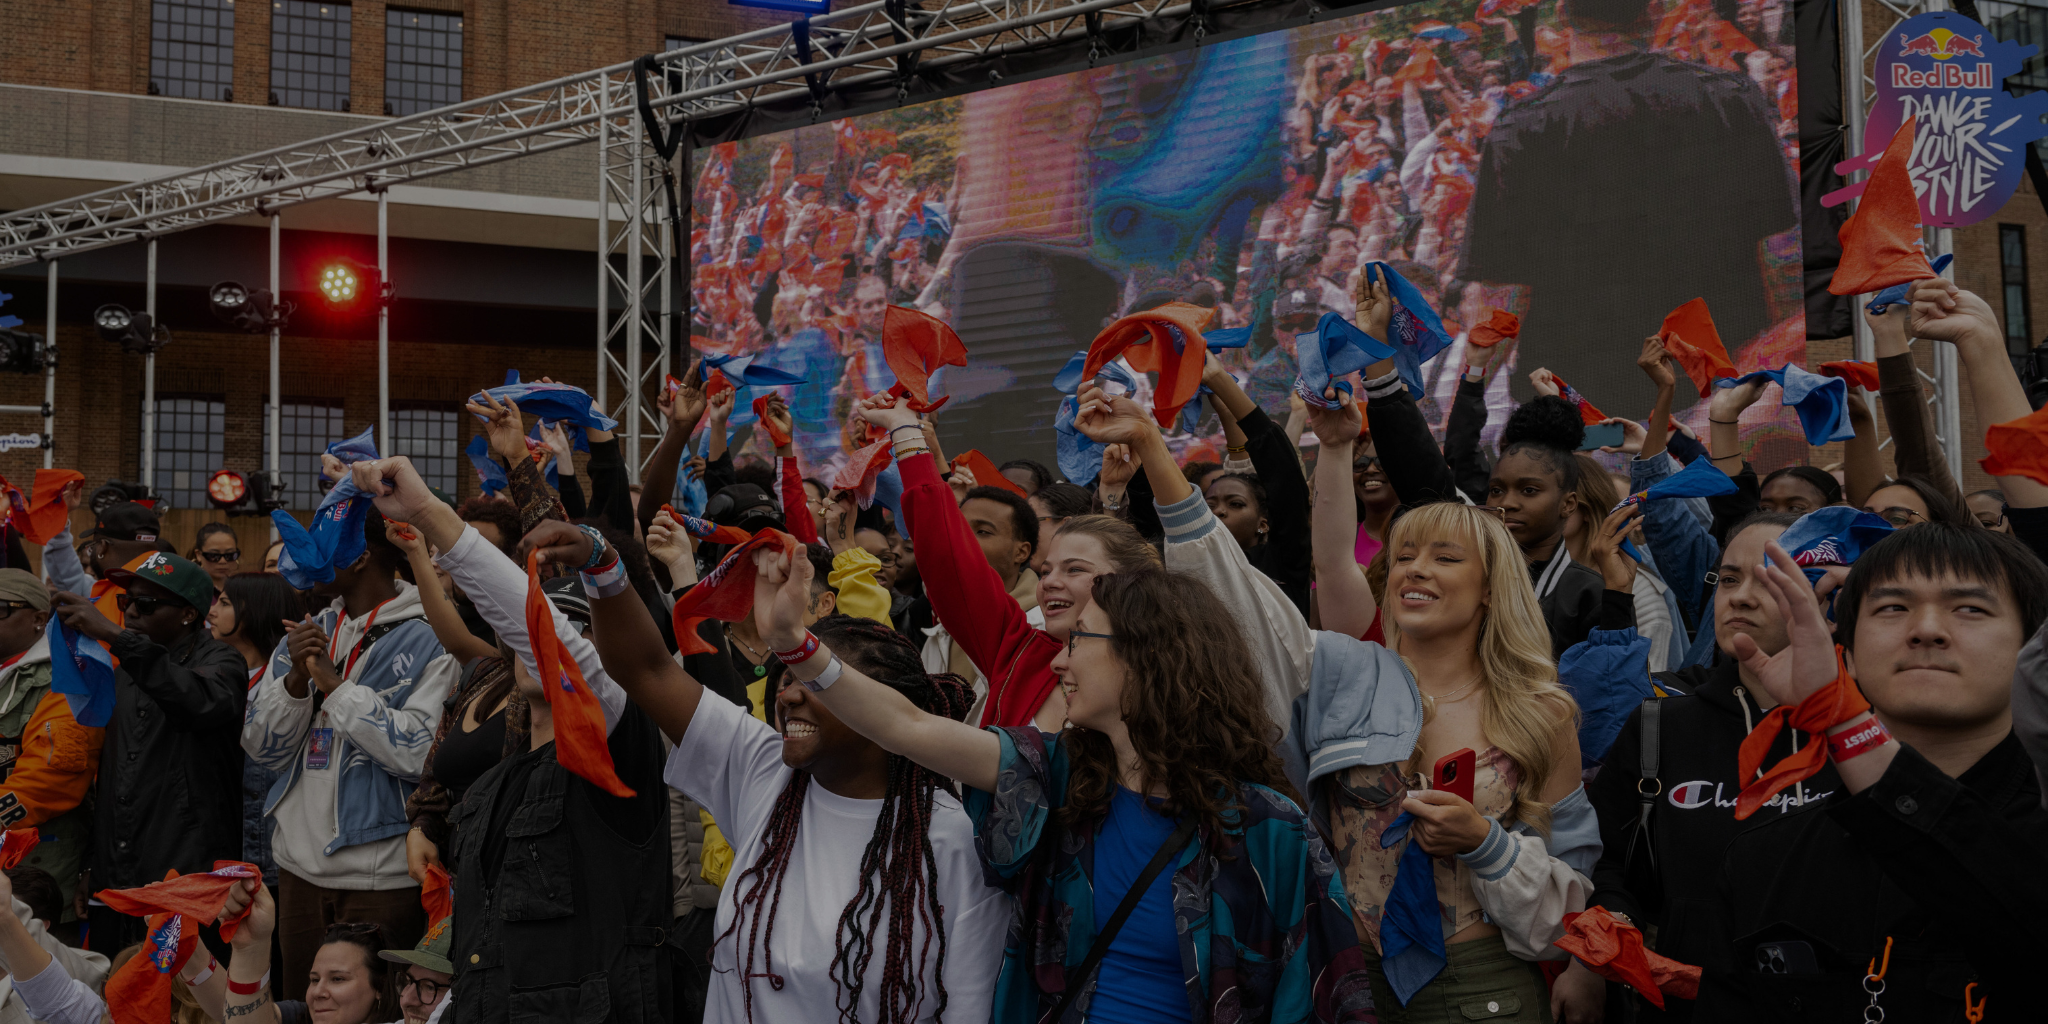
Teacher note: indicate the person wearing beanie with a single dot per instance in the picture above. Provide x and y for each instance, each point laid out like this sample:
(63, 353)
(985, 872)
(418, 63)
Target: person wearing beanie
(170, 770)
(47, 759)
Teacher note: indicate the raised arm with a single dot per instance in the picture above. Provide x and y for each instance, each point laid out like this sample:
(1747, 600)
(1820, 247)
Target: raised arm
(1915, 451)
(1862, 463)
(1343, 596)
(455, 637)
(1943, 312)
(1467, 420)
(680, 410)
(953, 749)
(1656, 364)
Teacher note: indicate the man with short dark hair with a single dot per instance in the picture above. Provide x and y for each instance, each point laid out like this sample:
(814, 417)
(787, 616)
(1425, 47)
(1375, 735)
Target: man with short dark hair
(1007, 529)
(170, 771)
(346, 713)
(1928, 865)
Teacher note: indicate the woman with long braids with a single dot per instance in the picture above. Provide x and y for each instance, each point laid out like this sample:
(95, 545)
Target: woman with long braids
(906, 931)
(1162, 869)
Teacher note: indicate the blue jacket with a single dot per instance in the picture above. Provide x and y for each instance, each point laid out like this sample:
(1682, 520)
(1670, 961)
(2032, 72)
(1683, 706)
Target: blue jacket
(384, 717)
(1609, 675)
(1685, 551)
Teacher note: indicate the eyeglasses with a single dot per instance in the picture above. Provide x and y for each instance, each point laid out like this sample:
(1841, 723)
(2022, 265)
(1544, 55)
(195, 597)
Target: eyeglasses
(221, 556)
(1900, 516)
(140, 605)
(427, 989)
(1077, 634)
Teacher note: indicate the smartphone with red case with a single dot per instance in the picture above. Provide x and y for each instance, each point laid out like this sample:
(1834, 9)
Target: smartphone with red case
(1454, 773)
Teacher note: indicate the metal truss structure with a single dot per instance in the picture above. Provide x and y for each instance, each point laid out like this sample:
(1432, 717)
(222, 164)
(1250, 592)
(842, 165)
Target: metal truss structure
(1858, 94)
(862, 45)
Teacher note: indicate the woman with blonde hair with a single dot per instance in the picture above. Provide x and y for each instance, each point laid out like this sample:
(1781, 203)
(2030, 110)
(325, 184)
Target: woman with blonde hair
(1455, 896)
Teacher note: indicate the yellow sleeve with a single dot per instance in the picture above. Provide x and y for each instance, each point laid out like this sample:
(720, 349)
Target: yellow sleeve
(853, 576)
(717, 858)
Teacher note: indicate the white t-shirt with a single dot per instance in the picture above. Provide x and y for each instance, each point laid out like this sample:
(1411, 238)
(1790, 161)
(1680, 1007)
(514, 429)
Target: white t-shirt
(732, 764)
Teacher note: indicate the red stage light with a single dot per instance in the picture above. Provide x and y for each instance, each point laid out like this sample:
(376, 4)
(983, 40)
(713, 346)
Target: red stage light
(341, 284)
(226, 489)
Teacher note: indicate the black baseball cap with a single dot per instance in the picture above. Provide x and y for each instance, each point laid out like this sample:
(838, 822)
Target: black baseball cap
(569, 597)
(127, 520)
(746, 506)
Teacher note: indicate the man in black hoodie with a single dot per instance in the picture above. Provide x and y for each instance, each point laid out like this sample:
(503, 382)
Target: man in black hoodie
(1925, 866)
(1665, 819)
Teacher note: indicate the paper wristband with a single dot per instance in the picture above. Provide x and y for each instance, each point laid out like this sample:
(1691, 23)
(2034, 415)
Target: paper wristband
(1850, 744)
(609, 581)
(249, 988)
(201, 978)
(826, 678)
(801, 653)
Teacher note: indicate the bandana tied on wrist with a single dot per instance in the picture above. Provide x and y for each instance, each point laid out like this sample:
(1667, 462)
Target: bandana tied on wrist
(915, 345)
(727, 594)
(1614, 950)
(580, 736)
(1823, 709)
(1690, 338)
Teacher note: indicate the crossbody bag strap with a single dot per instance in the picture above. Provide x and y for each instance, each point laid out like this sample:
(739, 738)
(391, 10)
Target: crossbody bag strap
(1078, 978)
(1649, 763)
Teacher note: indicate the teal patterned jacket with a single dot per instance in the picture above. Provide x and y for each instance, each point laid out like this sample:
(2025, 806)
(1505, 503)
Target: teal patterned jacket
(1266, 933)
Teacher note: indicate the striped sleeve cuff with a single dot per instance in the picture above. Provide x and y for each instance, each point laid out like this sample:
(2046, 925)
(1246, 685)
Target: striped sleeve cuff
(1381, 387)
(1496, 856)
(1188, 519)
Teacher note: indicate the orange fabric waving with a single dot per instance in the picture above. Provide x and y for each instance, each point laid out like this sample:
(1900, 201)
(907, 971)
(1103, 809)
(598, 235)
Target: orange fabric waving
(727, 594)
(775, 432)
(437, 896)
(1881, 242)
(1499, 327)
(985, 472)
(1589, 414)
(1420, 68)
(1690, 337)
(140, 992)
(46, 511)
(859, 472)
(1823, 709)
(199, 897)
(716, 385)
(915, 345)
(2018, 448)
(1858, 373)
(18, 844)
(1180, 373)
(580, 736)
(1615, 951)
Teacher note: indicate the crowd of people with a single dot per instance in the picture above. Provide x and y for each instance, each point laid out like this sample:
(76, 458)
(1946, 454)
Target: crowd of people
(1369, 723)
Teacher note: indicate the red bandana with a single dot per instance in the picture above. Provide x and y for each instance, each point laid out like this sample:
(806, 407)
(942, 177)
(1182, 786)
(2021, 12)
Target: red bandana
(1881, 242)
(46, 513)
(18, 843)
(985, 472)
(2019, 448)
(727, 594)
(140, 992)
(1179, 369)
(1823, 709)
(580, 739)
(1615, 951)
(437, 896)
(775, 431)
(916, 345)
(1858, 373)
(1498, 327)
(1689, 336)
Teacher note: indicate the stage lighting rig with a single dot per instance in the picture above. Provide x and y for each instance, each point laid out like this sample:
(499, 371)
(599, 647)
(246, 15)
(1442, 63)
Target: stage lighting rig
(254, 311)
(134, 332)
(226, 489)
(348, 285)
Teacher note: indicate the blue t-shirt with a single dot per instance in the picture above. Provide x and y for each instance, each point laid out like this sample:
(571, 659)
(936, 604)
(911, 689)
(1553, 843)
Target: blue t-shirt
(1141, 980)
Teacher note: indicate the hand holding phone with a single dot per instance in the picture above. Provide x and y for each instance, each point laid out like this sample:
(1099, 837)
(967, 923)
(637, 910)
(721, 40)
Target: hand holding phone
(1454, 772)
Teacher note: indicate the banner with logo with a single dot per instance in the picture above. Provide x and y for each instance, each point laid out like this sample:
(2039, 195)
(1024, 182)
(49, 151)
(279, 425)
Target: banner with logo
(1969, 146)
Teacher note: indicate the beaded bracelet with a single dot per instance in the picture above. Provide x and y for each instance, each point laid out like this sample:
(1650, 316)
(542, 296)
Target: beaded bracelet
(598, 547)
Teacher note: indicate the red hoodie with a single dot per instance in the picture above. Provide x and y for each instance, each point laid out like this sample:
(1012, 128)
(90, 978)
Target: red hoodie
(968, 598)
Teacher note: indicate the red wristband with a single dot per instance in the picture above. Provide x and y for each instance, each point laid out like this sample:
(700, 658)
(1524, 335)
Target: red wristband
(802, 652)
(248, 988)
(1861, 740)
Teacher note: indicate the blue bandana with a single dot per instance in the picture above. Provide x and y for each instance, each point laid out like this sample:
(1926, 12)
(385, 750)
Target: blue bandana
(745, 370)
(1821, 402)
(83, 672)
(336, 539)
(1337, 347)
(1411, 937)
(551, 402)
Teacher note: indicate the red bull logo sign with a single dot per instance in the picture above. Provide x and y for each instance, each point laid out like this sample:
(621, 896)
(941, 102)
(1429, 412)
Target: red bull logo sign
(1969, 146)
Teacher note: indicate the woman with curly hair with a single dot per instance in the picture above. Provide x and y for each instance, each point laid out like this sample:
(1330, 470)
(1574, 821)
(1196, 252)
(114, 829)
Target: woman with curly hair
(1161, 866)
(854, 884)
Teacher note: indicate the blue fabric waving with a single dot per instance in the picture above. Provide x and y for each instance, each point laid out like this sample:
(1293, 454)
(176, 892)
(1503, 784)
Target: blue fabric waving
(1416, 331)
(1835, 535)
(1699, 479)
(83, 672)
(1068, 380)
(578, 439)
(552, 402)
(336, 539)
(1821, 402)
(1411, 934)
(1608, 673)
(490, 475)
(746, 370)
(355, 449)
(1080, 456)
(1336, 347)
(1230, 337)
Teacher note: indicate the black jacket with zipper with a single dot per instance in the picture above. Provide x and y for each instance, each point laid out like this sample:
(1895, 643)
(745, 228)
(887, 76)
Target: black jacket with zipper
(1949, 869)
(1670, 883)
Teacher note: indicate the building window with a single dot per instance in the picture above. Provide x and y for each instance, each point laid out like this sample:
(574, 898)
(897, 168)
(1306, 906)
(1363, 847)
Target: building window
(2012, 272)
(426, 435)
(309, 54)
(422, 61)
(306, 429)
(189, 447)
(192, 49)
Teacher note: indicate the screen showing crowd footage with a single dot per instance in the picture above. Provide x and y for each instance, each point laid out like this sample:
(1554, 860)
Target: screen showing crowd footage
(1588, 165)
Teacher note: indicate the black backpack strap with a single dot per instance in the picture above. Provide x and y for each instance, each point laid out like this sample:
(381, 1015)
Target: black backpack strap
(1078, 978)
(1649, 762)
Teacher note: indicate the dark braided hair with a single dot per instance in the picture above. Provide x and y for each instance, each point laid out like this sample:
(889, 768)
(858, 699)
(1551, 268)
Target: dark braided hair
(897, 869)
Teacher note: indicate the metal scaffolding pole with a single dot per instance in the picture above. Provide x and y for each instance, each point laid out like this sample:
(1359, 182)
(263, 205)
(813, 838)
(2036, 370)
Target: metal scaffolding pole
(50, 375)
(275, 427)
(149, 376)
(383, 323)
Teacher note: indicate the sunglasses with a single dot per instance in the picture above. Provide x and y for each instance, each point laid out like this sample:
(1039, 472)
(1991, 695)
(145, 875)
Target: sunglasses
(1077, 634)
(1364, 463)
(221, 556)
(10, 607)
(140, 605)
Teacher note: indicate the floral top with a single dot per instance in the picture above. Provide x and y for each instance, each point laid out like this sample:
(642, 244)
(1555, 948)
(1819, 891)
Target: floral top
(1356, 826)
(1265, 929)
